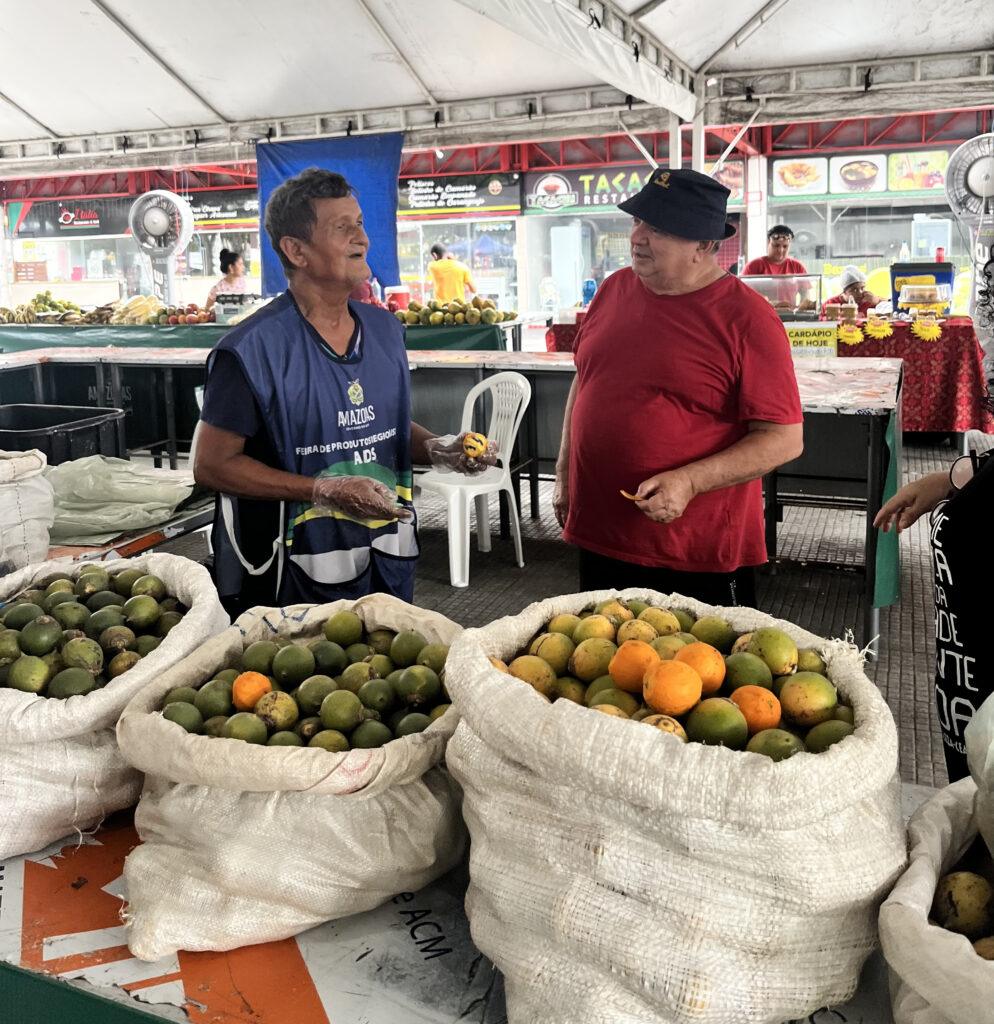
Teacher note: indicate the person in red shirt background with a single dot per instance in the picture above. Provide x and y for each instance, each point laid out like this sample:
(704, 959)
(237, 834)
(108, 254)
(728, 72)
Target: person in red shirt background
(684, 394)
(776, 261)
(853, 289)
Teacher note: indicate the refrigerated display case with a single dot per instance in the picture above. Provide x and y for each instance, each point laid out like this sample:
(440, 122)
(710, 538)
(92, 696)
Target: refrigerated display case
(793, 296)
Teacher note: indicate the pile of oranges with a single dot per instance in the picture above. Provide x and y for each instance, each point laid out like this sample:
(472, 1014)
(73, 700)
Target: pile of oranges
(696, 679)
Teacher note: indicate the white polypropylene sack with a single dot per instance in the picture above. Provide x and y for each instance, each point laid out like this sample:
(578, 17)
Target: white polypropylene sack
(936, 977)
(60, 768)
(979, 738)
(244, 843)
(27, 509)
(617, 874)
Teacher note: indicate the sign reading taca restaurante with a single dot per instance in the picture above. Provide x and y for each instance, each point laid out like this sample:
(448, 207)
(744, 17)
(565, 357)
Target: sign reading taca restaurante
(586, 189)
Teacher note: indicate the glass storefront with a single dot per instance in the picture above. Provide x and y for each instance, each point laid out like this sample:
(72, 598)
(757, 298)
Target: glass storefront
(487, 247)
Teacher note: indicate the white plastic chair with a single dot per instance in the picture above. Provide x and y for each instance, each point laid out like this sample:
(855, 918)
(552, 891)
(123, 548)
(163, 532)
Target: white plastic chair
(510, 394)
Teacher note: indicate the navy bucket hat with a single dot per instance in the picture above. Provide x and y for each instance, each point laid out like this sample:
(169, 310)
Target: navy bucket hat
(687, 204)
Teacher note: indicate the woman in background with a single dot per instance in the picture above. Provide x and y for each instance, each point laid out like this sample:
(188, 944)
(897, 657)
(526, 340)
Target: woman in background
(233, 282)
(958, 503)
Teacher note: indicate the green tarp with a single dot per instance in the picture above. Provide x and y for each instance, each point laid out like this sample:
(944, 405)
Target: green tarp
(22, 337)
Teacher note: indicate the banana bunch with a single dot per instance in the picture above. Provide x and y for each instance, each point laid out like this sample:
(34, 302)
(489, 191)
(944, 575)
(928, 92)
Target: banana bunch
(100, 315)
(22, 315)
(6, 315)
(136, 310)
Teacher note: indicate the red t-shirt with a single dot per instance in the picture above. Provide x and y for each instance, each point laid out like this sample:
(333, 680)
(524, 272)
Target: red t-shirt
(662, 381)
(764, 265)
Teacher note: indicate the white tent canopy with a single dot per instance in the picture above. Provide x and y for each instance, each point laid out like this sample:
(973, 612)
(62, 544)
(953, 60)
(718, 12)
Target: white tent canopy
(93, 84)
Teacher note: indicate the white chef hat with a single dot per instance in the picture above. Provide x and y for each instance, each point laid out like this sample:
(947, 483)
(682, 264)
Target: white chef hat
(850, 275)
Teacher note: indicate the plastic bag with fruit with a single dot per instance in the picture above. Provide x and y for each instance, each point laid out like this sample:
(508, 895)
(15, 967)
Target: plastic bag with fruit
(247, 840)
(618, 872)
(60, 768)
(937, 909)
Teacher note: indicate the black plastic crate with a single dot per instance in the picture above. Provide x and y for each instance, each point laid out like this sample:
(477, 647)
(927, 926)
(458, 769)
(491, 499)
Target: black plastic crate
(62, 432)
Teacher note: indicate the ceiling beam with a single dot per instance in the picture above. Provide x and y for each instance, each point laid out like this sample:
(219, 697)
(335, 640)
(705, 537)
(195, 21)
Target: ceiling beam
(153, 56)
(375, 22)
(34, 120)
(827, 92)
(646, 8)
(520, 117)
(738, 37)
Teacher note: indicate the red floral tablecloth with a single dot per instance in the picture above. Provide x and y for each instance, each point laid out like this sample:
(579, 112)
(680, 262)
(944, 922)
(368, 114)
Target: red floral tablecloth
(943, 380)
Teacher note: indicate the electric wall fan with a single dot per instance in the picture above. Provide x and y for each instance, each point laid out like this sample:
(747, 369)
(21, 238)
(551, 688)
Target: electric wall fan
(161, 224)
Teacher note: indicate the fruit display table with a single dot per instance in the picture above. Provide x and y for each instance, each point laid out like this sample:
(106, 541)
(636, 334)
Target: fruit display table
(63, 956)
(943, 380)
(23, 337)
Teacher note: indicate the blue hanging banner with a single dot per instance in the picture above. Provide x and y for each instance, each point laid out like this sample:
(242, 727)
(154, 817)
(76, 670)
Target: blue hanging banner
(370, 163)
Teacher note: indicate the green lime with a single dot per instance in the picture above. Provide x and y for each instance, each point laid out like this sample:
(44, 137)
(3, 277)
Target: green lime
(343, 628)
(341, 710)
(180, 694)
(243, 725)
(312, 691)
(185, 715)
(292, 665)
(412, 723)
(329, 739)
(283, 738)
(370, 734)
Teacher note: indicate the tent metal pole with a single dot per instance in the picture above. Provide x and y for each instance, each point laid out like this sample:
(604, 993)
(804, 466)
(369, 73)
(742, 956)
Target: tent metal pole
(637, 143)
(676, 142)
(738, 135)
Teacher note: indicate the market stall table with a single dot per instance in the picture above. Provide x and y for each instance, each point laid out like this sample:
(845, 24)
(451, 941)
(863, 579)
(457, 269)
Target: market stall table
(943, 380)
(63, 956)
(23, 337)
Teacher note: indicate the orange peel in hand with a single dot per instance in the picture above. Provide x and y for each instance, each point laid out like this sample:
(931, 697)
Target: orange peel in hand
(630, 497)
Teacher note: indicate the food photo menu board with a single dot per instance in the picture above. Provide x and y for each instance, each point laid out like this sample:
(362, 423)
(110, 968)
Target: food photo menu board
(919, 171)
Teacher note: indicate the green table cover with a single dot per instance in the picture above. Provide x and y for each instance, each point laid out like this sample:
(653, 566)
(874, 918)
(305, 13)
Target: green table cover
(22, 337)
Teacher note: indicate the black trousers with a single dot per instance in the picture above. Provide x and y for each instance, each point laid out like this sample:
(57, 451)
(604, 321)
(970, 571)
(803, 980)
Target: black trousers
(598, 572)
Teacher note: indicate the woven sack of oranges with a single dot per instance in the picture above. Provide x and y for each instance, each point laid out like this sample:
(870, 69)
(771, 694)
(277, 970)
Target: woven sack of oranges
(618, 872)
(244, 843)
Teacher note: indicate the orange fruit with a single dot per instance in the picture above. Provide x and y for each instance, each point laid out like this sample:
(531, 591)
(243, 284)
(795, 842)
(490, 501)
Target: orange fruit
(630, 663)
(671, 687)
(759, 705)
(248, 688)
(707, 661)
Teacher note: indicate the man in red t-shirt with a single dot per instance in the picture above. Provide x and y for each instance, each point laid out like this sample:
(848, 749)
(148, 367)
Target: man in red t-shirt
(684, 395)
(776, 263)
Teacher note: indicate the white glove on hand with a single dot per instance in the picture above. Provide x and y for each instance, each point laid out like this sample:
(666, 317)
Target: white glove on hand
(446, 453)
(358, 497)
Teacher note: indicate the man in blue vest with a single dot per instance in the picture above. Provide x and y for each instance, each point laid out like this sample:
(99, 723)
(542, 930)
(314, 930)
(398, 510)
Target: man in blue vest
(306, 432)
